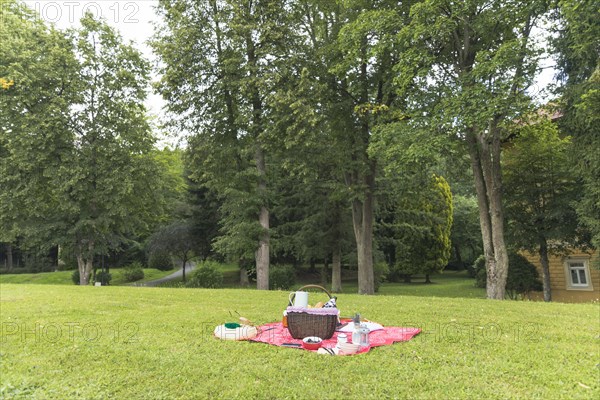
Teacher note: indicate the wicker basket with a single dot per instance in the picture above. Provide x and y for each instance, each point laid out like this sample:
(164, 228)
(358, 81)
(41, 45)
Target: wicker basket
(303, 324)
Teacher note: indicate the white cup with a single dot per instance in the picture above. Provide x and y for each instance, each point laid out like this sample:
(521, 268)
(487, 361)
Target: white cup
(300, 299)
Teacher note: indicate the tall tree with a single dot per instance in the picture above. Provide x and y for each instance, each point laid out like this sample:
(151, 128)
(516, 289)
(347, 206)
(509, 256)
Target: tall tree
(421, 226)
(221, 61)
(106, 178)
(38, 75)
(577, 44)
(349, 54)
(539, 203)
(467, 65)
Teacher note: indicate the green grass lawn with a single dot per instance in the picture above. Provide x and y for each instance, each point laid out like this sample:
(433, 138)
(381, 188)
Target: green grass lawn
(447, 284)
(62, 342)
(64, 277)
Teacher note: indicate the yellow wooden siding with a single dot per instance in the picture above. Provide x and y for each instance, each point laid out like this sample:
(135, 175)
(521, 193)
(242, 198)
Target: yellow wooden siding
(558, 279)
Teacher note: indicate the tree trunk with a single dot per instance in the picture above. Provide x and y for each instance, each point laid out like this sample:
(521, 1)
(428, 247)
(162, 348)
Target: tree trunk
(324, 274)
(494, 188)
(543, 251)
(184, 262)
(262, 253)
(363, 203)
(85, 258)
(362, 216)
(336, 270)
(427, 280)
(9, 257)
(244, 281)
(484, 152)
(362, 222)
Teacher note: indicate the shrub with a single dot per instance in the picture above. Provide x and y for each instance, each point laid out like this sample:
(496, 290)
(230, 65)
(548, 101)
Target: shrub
(522, 277)
(207, 275)
(394, 274)
(281, 277)
(478, 272)
(75, 277)
(380, 272)
(103, 277)
(133, 272)
(160, 260)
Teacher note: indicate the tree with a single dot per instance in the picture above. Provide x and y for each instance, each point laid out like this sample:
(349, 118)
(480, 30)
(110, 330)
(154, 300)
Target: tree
(346, 85)
(37, 88)
(177, 239)
(106, 179)
(204, 217)
(465, 66)
(539, 202)
(577, 44)
(422, 228)
(221, 94)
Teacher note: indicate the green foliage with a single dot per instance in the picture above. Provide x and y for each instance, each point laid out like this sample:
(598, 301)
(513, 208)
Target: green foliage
(104, 277)
(38, 86)
(206, 275)
(424, 227)
(107, 182)
(466, 234)
(381, 271)
(281, 277)
(133, 272)
(78, 132)
(576, 45)
(177, 239)
(242, 64)
(523, 277)
(75, 277)
(478, 272)
(160, 260)
(539, 203)
(464, 75)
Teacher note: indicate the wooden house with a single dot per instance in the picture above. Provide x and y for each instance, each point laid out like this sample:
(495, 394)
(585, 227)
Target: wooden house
(574, 278)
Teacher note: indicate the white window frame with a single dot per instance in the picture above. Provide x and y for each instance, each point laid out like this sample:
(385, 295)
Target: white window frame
(586, 271)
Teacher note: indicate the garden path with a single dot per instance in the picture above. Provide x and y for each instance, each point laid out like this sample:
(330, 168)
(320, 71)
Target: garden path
(189, 267)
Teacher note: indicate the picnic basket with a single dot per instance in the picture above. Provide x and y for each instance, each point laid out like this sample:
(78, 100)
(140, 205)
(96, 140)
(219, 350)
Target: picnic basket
(309, 322)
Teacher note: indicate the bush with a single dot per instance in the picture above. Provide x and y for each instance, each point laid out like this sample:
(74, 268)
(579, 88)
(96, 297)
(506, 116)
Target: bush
(103, 277)
(133, 272)
(522, 277)
(160, 260)
(380, 272)
(478, 272)
(207, 275)
(75, 277)
(281, 277)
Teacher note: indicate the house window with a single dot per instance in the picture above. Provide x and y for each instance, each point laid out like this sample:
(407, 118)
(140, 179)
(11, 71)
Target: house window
(578, 274)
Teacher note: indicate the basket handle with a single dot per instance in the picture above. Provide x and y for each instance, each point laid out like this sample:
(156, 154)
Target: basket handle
(291, 303)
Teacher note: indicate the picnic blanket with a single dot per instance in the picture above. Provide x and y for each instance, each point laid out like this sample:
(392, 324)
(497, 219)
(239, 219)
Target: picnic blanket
(274, 333)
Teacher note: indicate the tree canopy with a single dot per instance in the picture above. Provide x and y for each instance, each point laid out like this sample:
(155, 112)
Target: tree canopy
(335, 132)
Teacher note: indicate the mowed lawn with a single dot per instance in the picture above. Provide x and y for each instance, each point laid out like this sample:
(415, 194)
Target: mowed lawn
(62, 342)
(64, 277)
